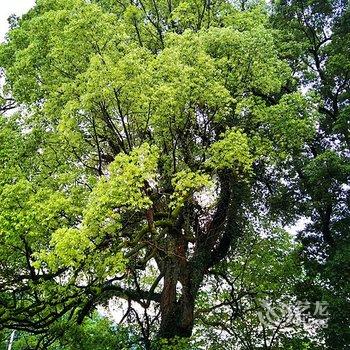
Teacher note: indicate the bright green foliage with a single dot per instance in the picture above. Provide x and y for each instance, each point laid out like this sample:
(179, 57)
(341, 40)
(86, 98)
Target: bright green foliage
(185, 184)
(95, 333)
(231, 151)
(124, 189)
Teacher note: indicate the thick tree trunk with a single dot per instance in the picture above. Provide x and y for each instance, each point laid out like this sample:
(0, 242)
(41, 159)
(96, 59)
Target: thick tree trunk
(177, 311)
(187, 273)
(177, 319)
(181, 285)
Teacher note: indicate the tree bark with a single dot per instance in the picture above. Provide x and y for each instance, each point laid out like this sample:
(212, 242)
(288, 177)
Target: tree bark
(187, 272)
(177, 310)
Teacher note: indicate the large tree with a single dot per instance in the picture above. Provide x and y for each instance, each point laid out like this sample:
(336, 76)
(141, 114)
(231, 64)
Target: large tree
(148, 135)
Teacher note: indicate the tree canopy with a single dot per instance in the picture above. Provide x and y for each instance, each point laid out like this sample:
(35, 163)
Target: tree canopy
(156, 153)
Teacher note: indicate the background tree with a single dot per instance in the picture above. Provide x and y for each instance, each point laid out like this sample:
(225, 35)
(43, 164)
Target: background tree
(250, 300)
(316, 42)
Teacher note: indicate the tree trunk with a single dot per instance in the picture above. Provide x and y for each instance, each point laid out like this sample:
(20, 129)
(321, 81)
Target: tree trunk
(212, 245)
(177, 306)
(177, 314)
